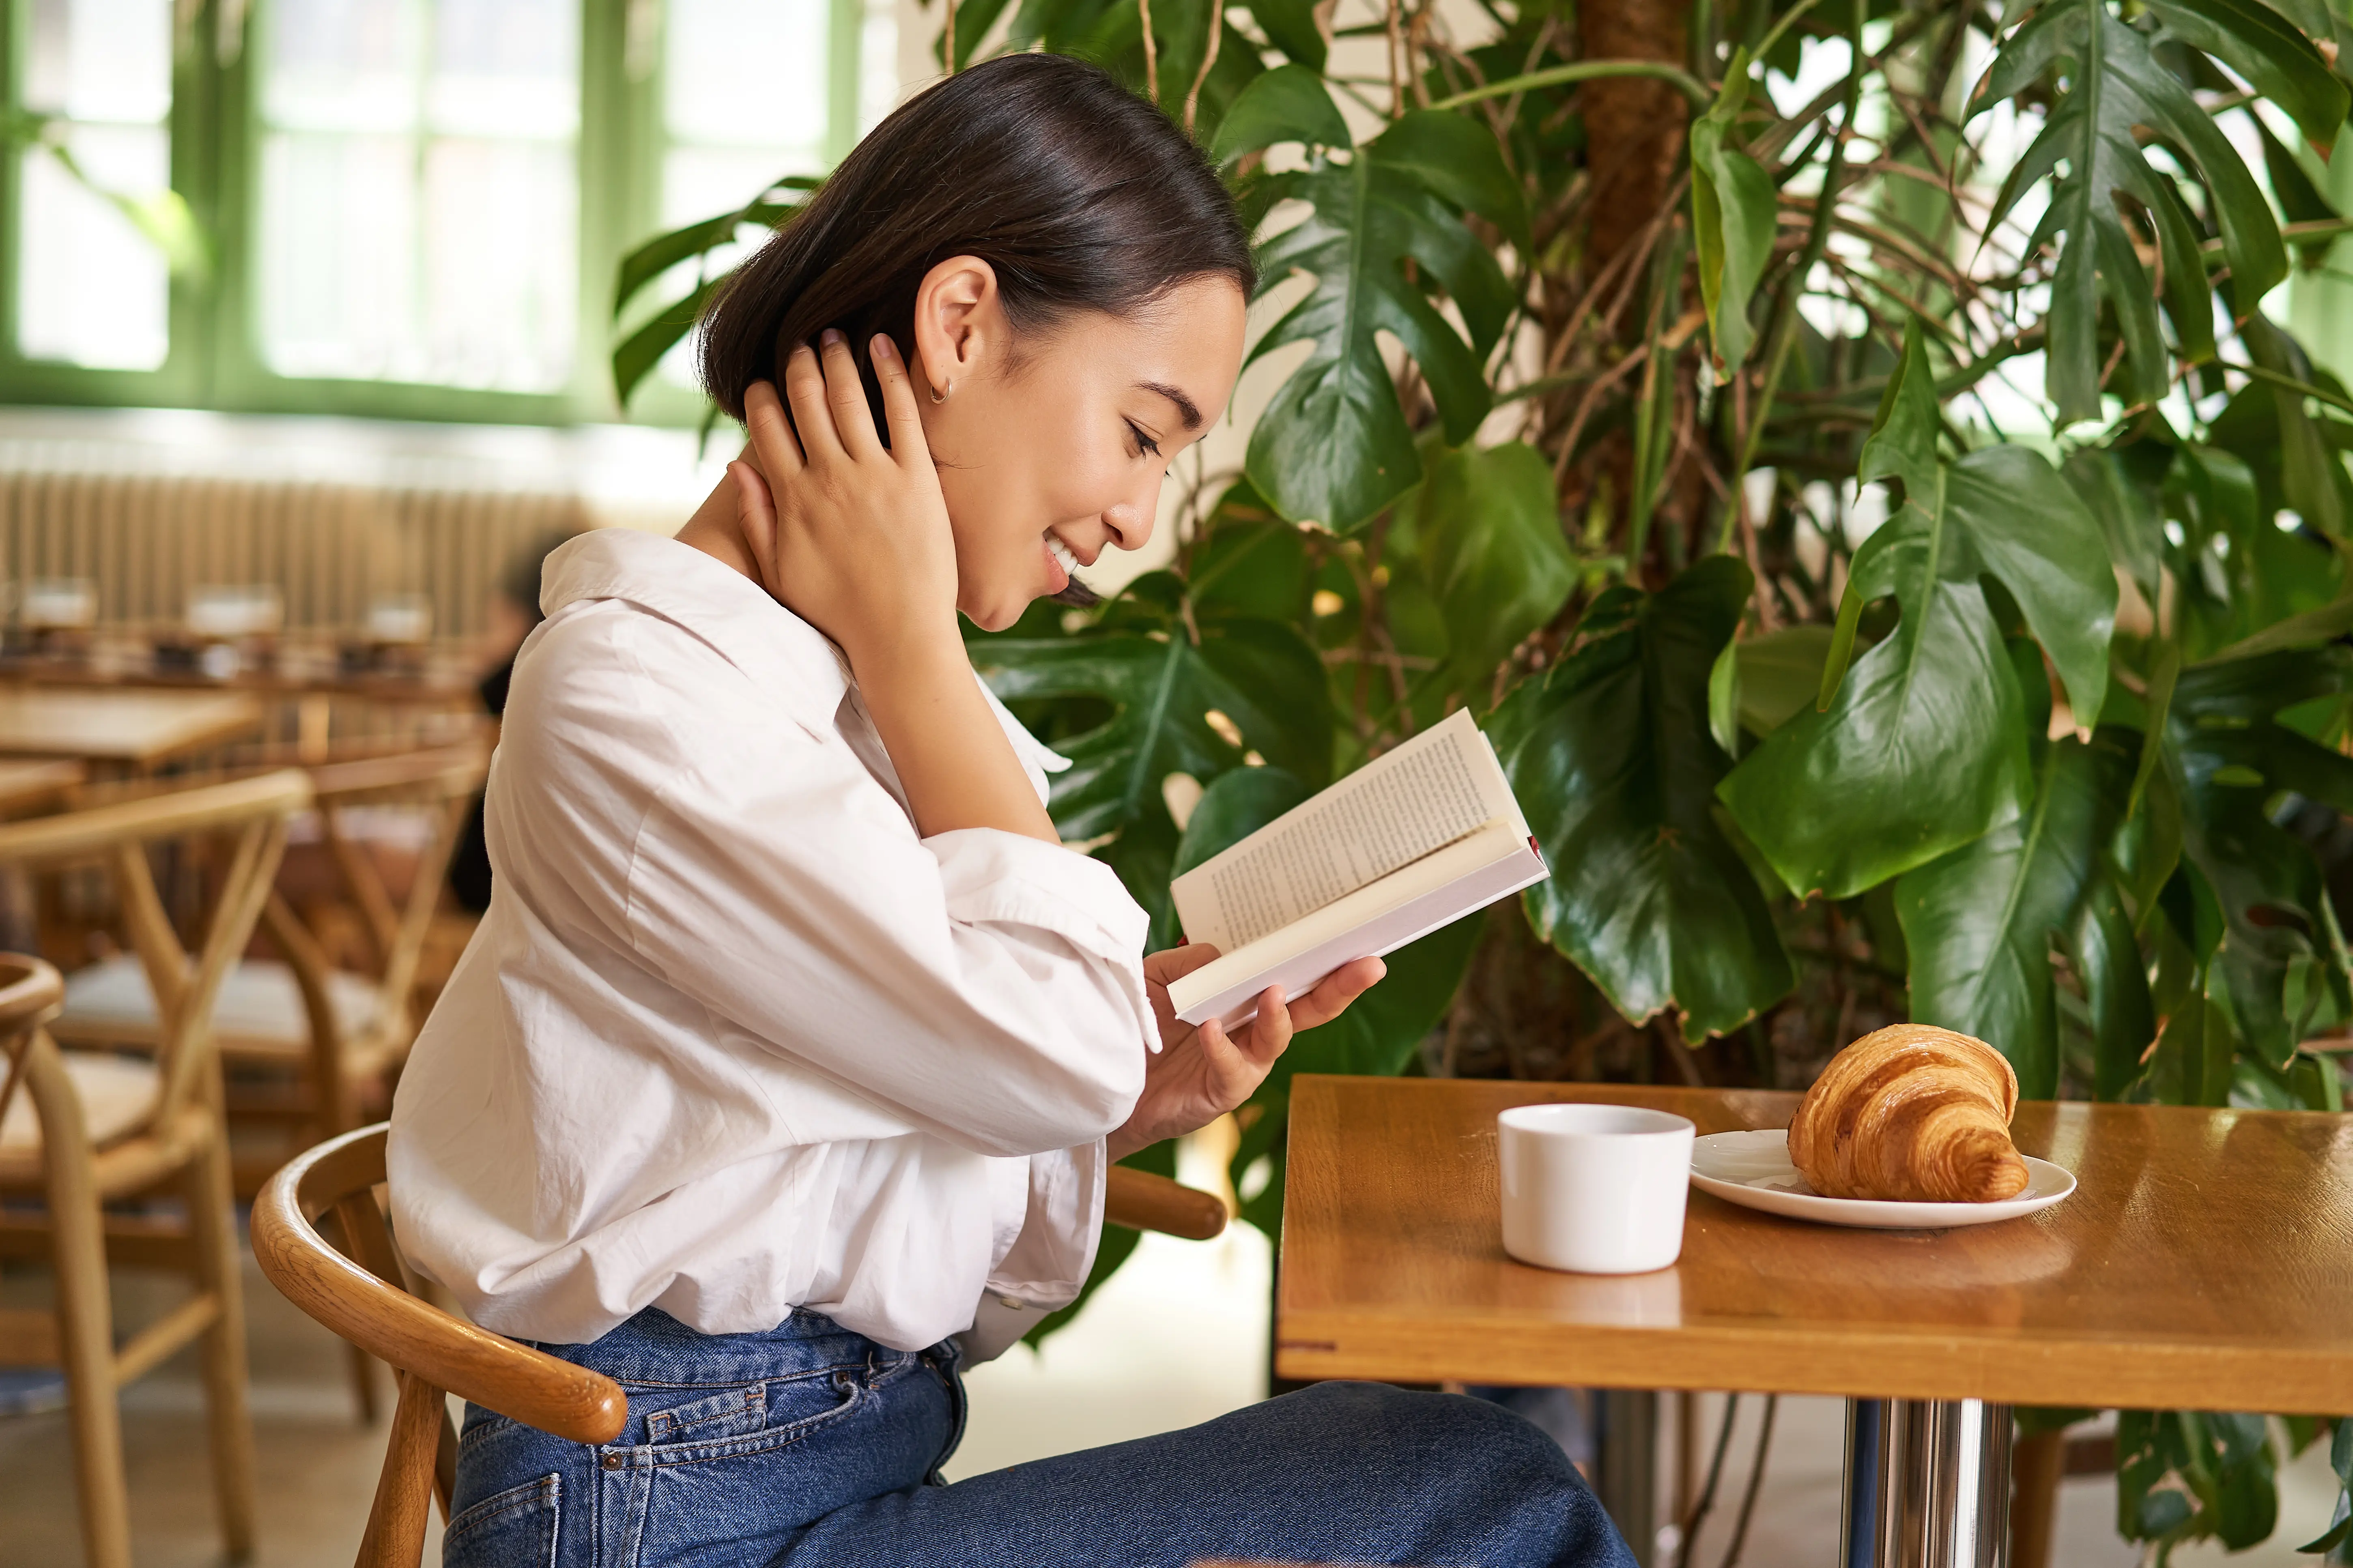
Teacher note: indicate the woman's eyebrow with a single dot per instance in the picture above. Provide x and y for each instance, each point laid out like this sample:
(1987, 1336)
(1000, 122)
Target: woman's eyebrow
(1185, 409)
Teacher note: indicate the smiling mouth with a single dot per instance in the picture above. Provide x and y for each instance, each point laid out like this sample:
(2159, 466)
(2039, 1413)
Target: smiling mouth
(1074, 593)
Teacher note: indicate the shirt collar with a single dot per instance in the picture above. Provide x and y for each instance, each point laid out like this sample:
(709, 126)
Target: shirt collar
(736, 615)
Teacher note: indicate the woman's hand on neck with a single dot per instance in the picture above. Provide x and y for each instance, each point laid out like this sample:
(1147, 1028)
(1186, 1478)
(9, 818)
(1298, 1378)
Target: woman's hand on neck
(824, 528)
(714, 528)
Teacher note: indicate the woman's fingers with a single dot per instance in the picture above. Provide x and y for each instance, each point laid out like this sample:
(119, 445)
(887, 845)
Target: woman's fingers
(846, 395)
(1335, 991)
(898, 406)
(1232, 1075)
(1271, 1031)
(756, 511)
(1176, 962)
(812, 414)
(771, 434)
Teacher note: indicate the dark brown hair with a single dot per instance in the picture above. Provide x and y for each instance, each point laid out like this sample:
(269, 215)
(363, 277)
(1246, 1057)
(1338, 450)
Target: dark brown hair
(1080, 195)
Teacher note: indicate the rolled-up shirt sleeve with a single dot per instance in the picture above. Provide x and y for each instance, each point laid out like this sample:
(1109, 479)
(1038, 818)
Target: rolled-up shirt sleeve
(1049, 1260)
(986, 985)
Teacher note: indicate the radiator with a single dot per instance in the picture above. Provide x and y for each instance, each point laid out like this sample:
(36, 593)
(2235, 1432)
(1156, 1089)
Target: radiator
(145, 525)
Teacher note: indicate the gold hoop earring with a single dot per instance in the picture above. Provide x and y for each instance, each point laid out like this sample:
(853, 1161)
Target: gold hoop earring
(941, 395)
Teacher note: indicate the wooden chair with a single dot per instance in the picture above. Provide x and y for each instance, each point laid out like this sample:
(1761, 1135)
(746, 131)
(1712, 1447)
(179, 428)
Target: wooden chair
(310, 1046)
(98, 1127)
(365, 1294)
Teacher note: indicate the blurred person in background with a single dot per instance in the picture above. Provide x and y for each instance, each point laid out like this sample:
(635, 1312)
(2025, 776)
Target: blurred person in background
(513, 613)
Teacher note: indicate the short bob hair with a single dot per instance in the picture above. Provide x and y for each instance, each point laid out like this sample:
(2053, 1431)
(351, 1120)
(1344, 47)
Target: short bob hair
(1080, 195)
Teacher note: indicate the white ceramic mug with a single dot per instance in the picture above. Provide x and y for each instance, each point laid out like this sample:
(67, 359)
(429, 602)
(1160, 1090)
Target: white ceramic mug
(1593, 1189)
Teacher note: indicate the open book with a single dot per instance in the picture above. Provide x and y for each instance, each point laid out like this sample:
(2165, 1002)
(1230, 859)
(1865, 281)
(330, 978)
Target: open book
(1417, 838)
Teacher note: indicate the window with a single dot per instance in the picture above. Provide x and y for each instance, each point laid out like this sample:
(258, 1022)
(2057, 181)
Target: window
(408, 207)
(420, 213)
(91, 289)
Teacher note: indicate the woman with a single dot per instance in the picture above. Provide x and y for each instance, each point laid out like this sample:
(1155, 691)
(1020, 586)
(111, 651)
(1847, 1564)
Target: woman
(783, 1075)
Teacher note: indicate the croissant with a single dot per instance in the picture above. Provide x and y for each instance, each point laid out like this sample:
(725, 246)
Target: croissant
(1912, 1113)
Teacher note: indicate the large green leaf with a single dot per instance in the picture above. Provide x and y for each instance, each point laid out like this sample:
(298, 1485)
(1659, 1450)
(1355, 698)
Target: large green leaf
(1921, 746)
(1735, 207)
(1611, 757)
(2261, 45)
(1779, 674)
(635, 357)
(2116, 86)
(1333, 446)
(1170, 699)
(1109, 33)
(1488, 527)
(2189, 1475)
(1289, 103)
(1979, 924)
(2104, 481)
(2281, 958)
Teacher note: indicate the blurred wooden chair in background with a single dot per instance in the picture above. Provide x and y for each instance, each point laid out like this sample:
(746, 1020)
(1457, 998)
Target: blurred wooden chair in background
(313, 1038)
(92, 1128)
(365, 1293)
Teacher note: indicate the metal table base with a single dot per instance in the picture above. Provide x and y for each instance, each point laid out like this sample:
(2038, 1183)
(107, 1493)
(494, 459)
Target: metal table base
(1927, 1484)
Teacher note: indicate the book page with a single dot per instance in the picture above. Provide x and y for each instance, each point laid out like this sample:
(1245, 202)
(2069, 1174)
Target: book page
(1420, 796)
(1492, 863)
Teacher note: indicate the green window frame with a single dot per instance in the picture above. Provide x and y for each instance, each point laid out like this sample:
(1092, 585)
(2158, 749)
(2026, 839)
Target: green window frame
(214, 359)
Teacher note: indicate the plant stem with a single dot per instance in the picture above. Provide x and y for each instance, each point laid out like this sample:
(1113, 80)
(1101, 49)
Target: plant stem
(1208, 58)
(1585, 70)
(1785, 332)
(1151, 52)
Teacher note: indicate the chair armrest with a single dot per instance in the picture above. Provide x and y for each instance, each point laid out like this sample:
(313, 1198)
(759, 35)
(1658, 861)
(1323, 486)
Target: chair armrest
(1143, 1201)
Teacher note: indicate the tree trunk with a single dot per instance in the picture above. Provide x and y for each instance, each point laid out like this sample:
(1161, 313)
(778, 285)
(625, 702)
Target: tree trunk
(1633, 126)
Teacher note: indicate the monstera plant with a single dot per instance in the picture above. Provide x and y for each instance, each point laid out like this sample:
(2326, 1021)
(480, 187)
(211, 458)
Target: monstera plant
(1847, 454)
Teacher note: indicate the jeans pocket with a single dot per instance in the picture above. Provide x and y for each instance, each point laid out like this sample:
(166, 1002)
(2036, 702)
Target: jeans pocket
(513, 1529)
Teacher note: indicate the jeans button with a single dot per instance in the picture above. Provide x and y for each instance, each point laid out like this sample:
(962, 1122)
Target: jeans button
(612, 1461)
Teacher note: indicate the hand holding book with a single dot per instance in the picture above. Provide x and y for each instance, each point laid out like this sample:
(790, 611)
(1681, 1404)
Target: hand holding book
(1200, 1074)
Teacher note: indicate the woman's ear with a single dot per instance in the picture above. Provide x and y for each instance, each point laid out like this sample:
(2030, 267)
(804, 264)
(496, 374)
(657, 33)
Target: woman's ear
(961, 328)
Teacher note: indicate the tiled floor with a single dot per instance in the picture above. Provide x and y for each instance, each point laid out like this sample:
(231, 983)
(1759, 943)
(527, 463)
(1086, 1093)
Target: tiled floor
(1178, 1337)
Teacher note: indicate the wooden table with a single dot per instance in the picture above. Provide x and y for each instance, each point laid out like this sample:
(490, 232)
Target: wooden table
(127, 729)
(24, 786)
(2205, 1261)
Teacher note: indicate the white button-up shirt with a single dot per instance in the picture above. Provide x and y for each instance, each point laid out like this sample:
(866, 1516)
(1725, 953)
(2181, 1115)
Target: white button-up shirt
(734, 1038)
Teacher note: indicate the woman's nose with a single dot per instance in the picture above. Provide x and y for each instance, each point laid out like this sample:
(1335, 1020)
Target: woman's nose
(1129, 522)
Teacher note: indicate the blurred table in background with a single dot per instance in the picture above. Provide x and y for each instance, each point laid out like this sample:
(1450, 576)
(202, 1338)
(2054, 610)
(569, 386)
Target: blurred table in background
(28, 786)
(304, 696)
(123, 729)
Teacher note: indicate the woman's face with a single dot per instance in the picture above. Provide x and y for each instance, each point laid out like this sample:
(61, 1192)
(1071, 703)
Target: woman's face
(1052, 445)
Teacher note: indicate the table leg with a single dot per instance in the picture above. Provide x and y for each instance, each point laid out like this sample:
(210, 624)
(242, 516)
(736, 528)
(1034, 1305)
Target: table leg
(1927, 1484)
(1626, 1465)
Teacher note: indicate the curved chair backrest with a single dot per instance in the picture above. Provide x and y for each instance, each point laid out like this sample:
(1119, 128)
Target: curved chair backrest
(30, 994)
(255, 811)
(365, 1298)
(440, 780)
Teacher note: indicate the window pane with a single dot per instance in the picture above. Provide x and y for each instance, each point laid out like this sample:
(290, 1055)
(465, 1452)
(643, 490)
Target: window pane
(746, 90)
(878, 64)
(344, 65)
(508, 68)
(420, 213)
(100, 59)
(747, 73)
(91, 289)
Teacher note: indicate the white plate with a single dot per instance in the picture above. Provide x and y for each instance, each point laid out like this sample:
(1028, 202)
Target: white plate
(1753, 1170)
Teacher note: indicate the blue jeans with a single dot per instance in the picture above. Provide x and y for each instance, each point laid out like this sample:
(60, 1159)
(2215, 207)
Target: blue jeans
(813, 1446)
